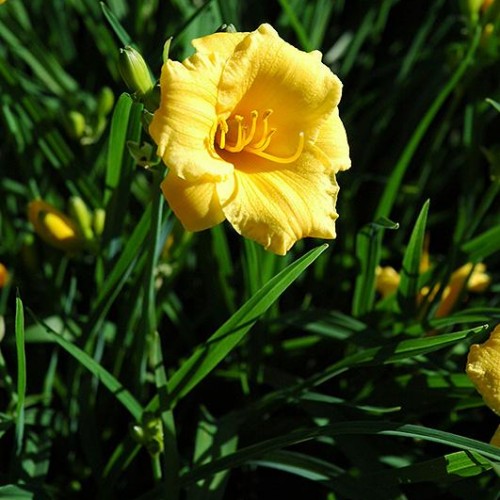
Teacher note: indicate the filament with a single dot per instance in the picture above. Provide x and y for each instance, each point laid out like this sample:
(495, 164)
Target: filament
(245, 137)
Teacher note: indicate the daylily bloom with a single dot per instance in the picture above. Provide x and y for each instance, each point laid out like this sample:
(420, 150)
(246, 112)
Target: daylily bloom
(54, 227)
(483, 368)
(250, 131)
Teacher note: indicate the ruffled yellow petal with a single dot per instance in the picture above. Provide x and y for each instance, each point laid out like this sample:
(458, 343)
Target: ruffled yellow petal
(196, 205)
(483, 368)
(277, 207)
(183, 125)
(222, 44)
(332, 142)
(264, 73)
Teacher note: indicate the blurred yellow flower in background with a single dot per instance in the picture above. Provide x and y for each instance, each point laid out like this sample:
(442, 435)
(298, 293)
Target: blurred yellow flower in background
(250, 131)
(54, 227)
(4, 274)
(469, 277)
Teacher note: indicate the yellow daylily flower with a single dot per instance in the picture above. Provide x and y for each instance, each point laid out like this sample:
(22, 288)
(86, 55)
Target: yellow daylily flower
(483, 368)
(250, 130)
(54, 227)
(4, 275)
(470, 277)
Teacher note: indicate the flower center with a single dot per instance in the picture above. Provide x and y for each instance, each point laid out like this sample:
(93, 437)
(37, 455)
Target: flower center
(254, 138)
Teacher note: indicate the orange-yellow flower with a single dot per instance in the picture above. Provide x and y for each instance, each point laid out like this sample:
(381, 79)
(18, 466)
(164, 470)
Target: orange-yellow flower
(54, 227)
(250, 130)
(4, 275)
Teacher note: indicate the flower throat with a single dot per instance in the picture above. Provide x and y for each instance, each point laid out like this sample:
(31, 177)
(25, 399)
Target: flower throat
(251, 141)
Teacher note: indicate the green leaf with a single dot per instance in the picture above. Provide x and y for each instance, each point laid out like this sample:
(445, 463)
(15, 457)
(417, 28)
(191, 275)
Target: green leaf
(108, 380)
(450, 467)
(341, 429)
(493, 103)
(119, 30)
(368, 250)
(21, 374)
(483, 246)
(227, 337)
(410, 272)
(391, 353)
(394, 183)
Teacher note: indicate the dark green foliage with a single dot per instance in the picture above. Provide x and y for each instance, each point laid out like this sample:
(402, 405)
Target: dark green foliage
(161, 364)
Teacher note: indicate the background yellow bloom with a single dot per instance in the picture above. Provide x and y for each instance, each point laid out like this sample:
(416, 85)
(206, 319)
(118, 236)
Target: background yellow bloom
(483, 368)
(250, 130)
(54, 227)
(4, 275)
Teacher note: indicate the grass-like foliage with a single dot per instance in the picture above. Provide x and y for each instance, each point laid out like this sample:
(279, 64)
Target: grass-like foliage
(147, 362)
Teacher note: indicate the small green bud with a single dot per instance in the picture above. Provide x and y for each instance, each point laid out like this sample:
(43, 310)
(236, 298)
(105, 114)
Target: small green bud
(149, 433)
(76, 124)
(98, 221)
(81, 215)
(105, 101)
(135, 71)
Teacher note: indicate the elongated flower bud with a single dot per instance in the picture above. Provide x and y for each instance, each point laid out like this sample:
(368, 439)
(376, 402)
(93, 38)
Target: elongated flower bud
(98, 221)
(82, 216)
(135, 71)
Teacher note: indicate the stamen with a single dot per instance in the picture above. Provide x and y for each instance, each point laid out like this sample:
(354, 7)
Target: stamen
(224, 128)
(253, 128)
(239, 141)
(265, 145)
(244, 138)
(265, 124)
(278, 159)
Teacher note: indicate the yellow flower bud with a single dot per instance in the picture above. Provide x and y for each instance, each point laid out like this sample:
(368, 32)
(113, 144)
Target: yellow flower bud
(54, 227)
(134, 71)
(387, 280)
(483, 368)
(4, 275)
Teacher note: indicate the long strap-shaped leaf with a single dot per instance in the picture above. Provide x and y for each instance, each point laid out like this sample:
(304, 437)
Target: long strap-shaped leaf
(341, 429)
(207, 356)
